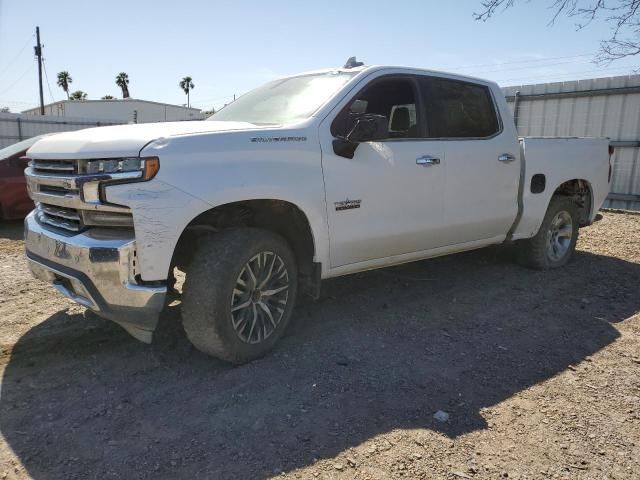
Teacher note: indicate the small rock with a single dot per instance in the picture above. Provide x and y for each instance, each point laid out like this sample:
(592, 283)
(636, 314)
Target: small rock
(351, 461)
(460, 475)
(441, 416)
(339, 467)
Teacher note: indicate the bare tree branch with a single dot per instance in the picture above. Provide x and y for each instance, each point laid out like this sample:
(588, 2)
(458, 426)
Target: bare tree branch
(622, 15)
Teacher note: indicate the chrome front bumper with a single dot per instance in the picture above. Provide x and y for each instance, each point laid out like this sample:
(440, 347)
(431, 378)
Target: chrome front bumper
(96, 269)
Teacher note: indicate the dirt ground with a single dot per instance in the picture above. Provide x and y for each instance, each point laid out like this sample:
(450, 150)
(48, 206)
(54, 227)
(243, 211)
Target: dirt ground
(539, 373)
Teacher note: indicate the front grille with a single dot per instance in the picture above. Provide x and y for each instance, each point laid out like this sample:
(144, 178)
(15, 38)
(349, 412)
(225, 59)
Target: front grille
(60, 217)
(52, 190)
(67, 195)
(55, 167)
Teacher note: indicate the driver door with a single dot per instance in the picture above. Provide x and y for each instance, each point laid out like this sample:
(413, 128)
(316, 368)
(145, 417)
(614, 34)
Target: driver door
(387, 200)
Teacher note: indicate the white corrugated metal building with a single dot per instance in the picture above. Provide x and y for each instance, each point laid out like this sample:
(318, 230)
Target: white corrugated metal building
(598, 107)
(125, 110)
(15, 127)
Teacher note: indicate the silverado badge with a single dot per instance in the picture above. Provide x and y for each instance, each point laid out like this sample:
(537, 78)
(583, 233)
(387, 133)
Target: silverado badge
(347, 204)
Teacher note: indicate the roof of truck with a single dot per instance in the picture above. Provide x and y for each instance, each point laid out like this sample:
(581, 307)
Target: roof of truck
(371, 68)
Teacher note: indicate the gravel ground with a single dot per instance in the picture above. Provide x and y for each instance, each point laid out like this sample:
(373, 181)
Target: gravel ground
(537, 371)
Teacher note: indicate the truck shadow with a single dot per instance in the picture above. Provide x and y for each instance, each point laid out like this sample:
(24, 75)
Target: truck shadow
(380, 351)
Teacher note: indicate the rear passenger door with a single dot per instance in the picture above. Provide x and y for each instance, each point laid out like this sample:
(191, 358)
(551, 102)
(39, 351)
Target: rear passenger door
(482, 165)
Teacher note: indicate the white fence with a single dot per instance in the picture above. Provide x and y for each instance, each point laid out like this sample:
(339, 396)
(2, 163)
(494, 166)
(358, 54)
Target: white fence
(16, 127)
(601, 107)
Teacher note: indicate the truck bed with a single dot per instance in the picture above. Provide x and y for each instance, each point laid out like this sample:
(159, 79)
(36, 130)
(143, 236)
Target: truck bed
(554, 161)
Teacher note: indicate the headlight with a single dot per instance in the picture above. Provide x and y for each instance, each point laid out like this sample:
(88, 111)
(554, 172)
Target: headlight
(148, 167)
(96, 175)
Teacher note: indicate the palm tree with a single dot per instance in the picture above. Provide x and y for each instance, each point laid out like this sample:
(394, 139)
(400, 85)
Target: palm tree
(186, 84)
(78, 95)
(64, 80)
(122, 80)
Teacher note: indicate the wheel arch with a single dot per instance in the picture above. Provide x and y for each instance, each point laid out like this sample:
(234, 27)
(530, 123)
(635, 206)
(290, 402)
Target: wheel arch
(535, 205)
(279, 216)
(581, 192)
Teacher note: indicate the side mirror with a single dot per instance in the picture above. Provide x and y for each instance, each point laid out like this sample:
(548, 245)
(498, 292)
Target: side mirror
(366, 128)
(369, 128)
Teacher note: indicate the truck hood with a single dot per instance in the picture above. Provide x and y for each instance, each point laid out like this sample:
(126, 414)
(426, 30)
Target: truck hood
(122, 140)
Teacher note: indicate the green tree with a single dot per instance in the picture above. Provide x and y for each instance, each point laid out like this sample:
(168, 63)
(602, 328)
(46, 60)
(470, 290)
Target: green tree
(78, 95)
(64, 80)
(108, 97)
(622, 16)
(122, 80)
(186, 84)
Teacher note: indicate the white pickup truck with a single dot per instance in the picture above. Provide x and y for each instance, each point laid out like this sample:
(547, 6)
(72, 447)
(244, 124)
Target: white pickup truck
(308, 177)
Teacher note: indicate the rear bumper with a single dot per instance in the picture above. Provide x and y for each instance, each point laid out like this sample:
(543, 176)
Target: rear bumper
(96, 269)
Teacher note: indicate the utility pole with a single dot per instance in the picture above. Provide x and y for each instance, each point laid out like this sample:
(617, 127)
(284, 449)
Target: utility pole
(38, 50)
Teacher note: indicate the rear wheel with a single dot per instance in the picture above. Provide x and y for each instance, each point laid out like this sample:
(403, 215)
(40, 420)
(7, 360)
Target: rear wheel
(555, 242)
(239, 294)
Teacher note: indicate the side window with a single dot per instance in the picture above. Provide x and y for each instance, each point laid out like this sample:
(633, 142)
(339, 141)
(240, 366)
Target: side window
(394, 98)
(456, 109)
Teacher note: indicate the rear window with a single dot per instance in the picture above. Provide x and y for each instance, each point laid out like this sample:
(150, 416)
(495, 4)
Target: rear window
(458, 109)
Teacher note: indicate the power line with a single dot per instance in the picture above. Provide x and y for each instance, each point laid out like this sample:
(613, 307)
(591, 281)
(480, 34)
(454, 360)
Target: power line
(6, 68)
(536, 61)
(17, 102)
(44, 65)
(543, 65)
(18, 80)
(523, 61)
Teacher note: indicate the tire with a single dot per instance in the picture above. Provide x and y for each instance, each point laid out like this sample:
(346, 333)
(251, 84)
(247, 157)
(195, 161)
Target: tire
(227, 273)
(555, 242)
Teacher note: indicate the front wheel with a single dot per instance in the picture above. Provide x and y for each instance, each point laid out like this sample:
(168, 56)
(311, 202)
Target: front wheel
(555, 242)
(239, 293)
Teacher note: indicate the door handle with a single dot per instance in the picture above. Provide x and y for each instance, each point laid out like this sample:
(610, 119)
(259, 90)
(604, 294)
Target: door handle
(427, 161)
(506, 158)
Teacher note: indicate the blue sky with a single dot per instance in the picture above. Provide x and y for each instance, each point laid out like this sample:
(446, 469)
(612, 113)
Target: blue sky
(232, 46)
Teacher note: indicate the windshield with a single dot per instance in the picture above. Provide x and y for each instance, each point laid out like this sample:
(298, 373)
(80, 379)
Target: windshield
(286, 100)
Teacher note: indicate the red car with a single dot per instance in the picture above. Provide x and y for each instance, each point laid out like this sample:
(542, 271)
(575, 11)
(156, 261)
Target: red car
(14, 200)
